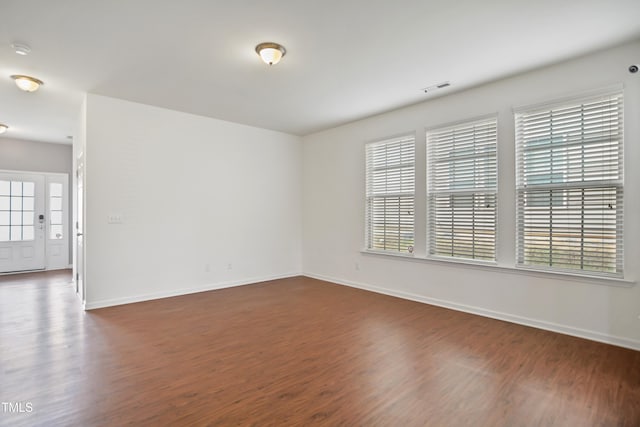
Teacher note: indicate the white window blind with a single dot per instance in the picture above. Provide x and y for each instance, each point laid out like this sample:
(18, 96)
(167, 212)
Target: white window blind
(390, 192)
(462, 190)
(570, 186)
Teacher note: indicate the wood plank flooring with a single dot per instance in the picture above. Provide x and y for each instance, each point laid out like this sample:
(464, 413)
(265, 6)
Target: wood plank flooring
(295, 352)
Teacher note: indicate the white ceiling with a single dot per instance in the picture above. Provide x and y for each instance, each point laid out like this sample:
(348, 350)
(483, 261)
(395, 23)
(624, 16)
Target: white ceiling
(346, 59)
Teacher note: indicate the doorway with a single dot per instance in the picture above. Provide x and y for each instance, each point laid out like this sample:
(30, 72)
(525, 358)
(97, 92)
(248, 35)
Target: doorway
(79, 217)
(33, 221)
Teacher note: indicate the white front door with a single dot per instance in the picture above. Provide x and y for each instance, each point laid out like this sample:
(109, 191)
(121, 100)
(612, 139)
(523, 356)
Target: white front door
(22, 222)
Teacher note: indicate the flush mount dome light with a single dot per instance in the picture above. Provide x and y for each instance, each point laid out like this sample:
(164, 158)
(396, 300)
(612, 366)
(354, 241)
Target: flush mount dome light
(271, 53)
(21, 48)
(3, 128)
(27, 83)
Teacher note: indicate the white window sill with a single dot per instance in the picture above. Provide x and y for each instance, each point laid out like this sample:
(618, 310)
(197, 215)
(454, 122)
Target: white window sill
(494, 266)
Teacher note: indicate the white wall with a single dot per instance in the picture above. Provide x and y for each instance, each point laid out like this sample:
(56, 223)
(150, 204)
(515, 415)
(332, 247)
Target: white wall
(34, 156)
(194, 194)
(333, 209)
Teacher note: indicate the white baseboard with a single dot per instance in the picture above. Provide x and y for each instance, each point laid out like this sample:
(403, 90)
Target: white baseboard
(540, 324)
(39, 270)
(184, 291)
(62, 267)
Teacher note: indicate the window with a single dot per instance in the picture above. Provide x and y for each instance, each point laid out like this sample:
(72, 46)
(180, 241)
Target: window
(570, 185)
(17, 201)
(55, 210)
(390, 192)
(462, 190)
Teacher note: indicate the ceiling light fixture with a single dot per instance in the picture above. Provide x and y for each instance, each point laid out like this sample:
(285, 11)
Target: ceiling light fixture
(3, 128)
(271, 53)
(26, 83)
(21, 49)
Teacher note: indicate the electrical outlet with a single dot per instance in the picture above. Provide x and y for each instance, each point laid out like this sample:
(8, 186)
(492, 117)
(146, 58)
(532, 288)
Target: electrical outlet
(207, 268)
(229, 266)
(357, 267)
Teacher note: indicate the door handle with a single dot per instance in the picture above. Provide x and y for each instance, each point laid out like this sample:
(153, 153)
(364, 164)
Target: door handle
(78, 234)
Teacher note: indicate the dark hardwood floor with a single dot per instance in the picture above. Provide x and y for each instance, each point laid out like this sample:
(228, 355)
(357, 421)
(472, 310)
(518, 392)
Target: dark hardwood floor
(295, 352)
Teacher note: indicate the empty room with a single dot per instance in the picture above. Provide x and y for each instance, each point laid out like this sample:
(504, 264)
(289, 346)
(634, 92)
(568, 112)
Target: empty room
(336, 213)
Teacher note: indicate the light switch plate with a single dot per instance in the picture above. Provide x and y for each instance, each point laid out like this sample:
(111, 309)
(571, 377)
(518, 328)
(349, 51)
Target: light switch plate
(114, 219)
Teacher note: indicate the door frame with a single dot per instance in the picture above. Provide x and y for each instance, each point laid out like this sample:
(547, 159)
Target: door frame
(78, 210)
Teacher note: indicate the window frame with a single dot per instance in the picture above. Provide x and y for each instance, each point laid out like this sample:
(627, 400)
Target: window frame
(25, 219)
(473, 191)
(51, 211)
(567, 186)
(370, 195)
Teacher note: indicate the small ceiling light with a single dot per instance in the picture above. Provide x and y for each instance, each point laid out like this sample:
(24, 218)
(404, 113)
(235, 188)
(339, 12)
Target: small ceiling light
(271, 53)
(26, 83)
(3, 128)
(21, 49)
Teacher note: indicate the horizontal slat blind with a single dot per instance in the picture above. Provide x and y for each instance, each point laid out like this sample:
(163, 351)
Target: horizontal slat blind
(390, 188)
(462, 190)
(569, 180)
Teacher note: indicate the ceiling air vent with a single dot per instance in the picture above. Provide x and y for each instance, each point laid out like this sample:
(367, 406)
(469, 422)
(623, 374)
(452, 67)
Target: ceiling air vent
(436, 87)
